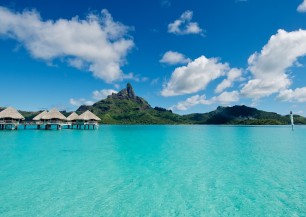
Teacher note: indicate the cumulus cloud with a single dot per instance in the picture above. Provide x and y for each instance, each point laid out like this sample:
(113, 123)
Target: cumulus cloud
(79, 102)
(269, 67)
(297, 95)
(77, 63)
(184, 26)
(135, 77)
(302, 7)
(97, 95)
(97, 43)
(102, 94)
(173, 58)
(232, 76)
(194, 77)
(190, 102)
(269, 70)
(224, 98)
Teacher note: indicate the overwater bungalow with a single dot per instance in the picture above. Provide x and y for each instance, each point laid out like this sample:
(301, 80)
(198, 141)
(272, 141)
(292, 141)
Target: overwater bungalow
(72, 119)
(54, 117)
(38, 119)
(10, 119)
(89, 119)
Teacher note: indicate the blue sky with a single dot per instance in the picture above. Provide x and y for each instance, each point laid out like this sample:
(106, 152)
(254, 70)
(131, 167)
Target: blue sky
(190, 56)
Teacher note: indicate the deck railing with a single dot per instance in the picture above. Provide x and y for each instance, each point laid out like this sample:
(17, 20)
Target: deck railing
(39, 122)
(91, 122)
(9, 122)
(54, 122)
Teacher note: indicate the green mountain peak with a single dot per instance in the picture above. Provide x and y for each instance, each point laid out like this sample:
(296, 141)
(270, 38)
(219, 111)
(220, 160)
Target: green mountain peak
(125, 107)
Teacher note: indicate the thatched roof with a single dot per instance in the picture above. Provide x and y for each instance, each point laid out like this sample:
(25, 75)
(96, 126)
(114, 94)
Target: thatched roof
(39, 116)
(10, 112)
(73, 116)
(53, 114)
(88, 115)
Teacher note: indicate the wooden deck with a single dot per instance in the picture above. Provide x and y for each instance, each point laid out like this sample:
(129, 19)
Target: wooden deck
(13, 125)
(9, 125)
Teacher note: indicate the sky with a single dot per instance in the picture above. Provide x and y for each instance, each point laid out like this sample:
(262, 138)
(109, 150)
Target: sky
(188, 56)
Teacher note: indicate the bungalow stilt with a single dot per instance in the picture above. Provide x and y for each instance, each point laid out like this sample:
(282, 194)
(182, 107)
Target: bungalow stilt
(10, 118)
(88, 119)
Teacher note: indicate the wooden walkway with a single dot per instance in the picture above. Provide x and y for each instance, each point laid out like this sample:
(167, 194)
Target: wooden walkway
(48, 125)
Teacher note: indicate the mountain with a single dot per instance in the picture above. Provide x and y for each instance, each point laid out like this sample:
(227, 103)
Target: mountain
(242, 115)
(125, 107)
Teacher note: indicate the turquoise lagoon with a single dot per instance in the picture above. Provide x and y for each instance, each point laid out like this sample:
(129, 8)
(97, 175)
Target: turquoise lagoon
(154, 171)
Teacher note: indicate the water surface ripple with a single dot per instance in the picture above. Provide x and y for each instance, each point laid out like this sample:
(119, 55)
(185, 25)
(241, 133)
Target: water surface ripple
(154, 171)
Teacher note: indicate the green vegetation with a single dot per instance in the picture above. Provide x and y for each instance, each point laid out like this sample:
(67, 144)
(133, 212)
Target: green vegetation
(127, 108)
(242, 115)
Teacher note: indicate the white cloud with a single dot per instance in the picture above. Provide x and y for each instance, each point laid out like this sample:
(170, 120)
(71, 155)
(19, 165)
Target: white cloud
(97, 95)
(137, 77)
(224, 98)
(79, 102)
(194, 77)
(232, 76)
(190, 102)
(117, 86)
(98, 42)
(77, 63)
(102, 94)
(302, 7)
(297, 95)
(258, 88)
(269, 67)
(173, 58)
(184, 26)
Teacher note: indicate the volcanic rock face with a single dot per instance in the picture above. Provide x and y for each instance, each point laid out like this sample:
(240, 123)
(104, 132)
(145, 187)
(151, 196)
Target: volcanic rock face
(125, 107)
(130, 91)
(129, 94)
(119, 103)
(126, 93)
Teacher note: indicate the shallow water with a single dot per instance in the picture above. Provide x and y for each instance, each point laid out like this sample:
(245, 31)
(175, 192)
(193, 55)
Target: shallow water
(154, 171)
